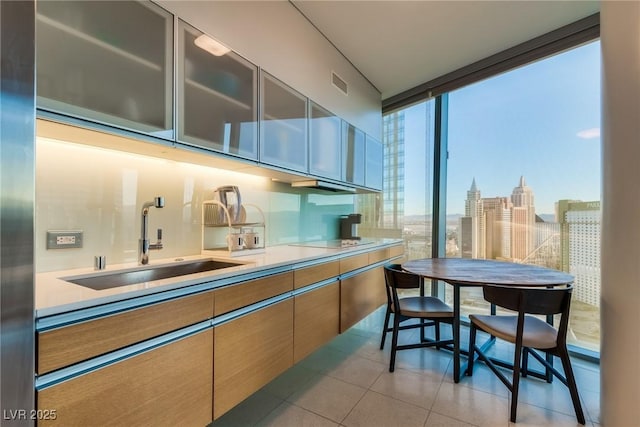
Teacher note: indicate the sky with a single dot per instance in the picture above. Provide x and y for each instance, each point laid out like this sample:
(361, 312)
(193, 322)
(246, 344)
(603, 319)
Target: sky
(540, 121)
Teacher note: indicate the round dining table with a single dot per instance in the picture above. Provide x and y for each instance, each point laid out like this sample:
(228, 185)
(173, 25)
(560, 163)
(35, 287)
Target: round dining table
(463, 272)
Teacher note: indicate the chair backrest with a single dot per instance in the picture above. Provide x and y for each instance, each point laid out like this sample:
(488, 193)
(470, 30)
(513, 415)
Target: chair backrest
(541, 301)
(529, 300)
(396, 277)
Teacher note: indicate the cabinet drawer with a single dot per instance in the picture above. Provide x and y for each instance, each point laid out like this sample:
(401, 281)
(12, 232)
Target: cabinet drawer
(252, 291)
(316, 319)
(249, 352)
(395, 251)
(353, 263)
(316, 273)
(71, 344)
(168, 386)
(360, 295)
(379, 255)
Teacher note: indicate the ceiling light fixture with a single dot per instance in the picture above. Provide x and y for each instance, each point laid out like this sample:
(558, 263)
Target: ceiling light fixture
(210, 45)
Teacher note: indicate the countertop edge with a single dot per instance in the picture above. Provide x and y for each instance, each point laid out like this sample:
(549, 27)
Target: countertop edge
(178, 287)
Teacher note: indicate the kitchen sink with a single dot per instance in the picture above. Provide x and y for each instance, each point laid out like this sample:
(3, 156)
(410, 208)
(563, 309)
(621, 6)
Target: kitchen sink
(101, 281)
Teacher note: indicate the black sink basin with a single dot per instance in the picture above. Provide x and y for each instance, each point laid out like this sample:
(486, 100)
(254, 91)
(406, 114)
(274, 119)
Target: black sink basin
(147, 274)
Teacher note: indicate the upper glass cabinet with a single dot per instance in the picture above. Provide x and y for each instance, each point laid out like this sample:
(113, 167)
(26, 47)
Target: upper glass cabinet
(325, 142)
(374, 164)
(353, 156)
(217, 95)
(283, 125)
(107, 61)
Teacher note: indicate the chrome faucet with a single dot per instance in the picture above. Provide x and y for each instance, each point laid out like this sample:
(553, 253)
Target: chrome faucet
(145, 246)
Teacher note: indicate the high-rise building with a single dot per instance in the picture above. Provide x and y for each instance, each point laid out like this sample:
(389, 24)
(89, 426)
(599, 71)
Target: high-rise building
(580, 225)
(383, 213)
(497, 220)
(498, 227)
(393, 188)
(472, 225)
(523, 220)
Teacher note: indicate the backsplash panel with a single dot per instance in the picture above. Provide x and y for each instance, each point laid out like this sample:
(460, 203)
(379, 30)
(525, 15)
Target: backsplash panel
(101, 192)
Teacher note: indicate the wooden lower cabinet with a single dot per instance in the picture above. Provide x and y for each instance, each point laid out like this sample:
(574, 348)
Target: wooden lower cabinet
(249, 352)
(242, 294)
(317, 273)
(360, 295)
(353, 262)
(317, 319)
(67, 345)
(168, 386)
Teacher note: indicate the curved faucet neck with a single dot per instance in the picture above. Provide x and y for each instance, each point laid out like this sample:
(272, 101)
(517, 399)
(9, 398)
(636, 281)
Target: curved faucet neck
(144, 245)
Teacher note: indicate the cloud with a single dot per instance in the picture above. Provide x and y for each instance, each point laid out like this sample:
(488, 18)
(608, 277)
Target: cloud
(589, 133)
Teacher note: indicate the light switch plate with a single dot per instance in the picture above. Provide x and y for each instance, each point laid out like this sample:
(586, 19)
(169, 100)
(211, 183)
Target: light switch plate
(64, 239)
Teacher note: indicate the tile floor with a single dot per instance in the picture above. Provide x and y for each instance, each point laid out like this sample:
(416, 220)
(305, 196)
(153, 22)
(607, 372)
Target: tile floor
(347, 383)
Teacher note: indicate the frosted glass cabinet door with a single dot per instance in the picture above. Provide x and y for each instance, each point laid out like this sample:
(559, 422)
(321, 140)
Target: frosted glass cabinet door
(217, 95)
(325, 143)
(107, 61)
(353, 164)
(374, 166)
(283, 125)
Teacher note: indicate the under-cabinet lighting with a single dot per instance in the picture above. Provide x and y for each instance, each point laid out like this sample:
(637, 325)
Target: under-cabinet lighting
(210, 45)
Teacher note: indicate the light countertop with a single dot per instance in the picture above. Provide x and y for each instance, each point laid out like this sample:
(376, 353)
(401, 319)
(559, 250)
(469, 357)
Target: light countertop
(55, 295)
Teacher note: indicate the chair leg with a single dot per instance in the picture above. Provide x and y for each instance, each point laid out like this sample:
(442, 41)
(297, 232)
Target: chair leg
(472, 348)
(437, 332)
(515, 384)
(571, 383)
(394, 342)
(525, 362)
(385, 327)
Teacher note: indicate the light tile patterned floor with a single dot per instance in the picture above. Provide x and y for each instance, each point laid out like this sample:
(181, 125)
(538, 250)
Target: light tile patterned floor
(347, 383)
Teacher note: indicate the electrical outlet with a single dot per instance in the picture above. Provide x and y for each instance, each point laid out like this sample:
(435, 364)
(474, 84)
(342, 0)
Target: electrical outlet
(64, 239)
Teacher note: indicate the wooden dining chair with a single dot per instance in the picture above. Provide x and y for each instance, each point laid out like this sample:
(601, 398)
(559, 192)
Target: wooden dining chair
(527, 333)
(430, 311)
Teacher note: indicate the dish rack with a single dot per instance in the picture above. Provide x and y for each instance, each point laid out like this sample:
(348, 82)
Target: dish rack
(215, 232)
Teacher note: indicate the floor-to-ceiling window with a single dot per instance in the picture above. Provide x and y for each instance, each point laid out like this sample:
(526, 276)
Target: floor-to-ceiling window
(523, 176)
(405, 203)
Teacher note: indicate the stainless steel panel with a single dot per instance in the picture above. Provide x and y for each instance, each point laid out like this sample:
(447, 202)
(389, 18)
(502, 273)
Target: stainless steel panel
(17, 193)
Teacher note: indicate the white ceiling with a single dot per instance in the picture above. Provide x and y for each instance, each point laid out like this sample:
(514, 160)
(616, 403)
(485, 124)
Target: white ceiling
(398, 45)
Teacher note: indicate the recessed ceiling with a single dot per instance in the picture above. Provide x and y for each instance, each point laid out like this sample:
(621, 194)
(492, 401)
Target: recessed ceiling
(398, 45)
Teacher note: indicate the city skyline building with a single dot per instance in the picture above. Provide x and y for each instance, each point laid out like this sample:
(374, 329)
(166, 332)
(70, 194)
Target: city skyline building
(473, 223)
(393, 171)
(383, 213)
(523, 219)
(580, 229)
(498, 227)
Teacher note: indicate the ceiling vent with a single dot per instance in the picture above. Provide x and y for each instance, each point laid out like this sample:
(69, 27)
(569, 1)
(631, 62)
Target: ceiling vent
(339, 83)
